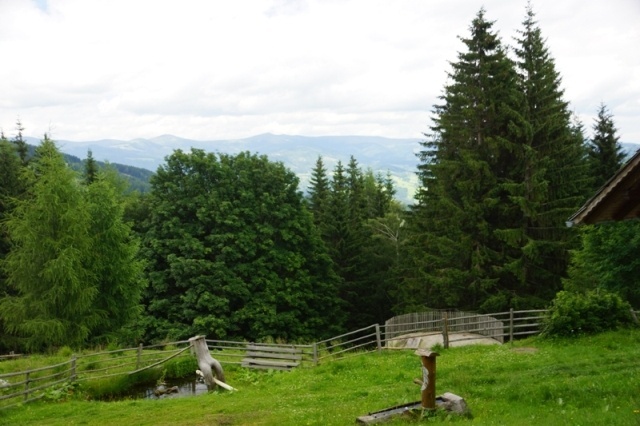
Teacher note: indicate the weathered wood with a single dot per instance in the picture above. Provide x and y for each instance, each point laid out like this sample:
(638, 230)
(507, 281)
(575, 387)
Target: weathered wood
(263, 361)
(207, 364)
(277, 349)
(224, 385)
(428, 388)
(255, 354)
(266, 367)
(272, 357)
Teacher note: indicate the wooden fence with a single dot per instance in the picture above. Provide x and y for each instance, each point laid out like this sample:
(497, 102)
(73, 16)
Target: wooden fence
(446, 322)
(29, 385)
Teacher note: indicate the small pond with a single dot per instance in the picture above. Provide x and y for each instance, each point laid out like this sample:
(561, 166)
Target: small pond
(187, 386)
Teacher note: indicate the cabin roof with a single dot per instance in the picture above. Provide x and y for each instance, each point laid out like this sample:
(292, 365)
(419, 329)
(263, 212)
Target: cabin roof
(618, 199)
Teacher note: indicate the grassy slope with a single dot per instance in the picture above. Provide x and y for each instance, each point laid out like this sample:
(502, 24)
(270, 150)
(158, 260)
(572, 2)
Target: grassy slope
(586, 381)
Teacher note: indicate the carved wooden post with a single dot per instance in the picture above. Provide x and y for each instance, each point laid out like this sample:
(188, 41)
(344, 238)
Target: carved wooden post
(428, 389)
(206, 363)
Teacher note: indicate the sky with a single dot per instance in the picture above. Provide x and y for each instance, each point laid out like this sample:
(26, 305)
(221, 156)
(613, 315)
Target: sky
(83, 70)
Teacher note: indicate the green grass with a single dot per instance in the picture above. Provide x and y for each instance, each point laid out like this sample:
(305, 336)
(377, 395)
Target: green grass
(584, 381)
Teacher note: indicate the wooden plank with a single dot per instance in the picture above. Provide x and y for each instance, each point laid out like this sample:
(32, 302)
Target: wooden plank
(279, 349)
(273, 355)
(269, 362)
(265, 367)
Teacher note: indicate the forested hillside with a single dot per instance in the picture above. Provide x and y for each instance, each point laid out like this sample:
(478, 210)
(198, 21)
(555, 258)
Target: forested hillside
(228, 244)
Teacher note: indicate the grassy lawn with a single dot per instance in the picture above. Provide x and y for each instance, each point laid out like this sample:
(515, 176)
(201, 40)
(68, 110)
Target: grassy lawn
(584, 381)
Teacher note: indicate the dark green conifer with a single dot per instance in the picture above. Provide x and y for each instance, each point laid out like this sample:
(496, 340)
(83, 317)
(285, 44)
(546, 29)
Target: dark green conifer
(554, 175)
(605, 152)
(90, 169)
(469, 165)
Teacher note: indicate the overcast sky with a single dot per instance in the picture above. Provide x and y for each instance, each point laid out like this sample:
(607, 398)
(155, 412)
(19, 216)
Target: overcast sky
(222, 69)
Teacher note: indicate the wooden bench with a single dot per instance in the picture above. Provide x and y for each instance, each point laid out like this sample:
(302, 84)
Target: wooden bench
(272, 357)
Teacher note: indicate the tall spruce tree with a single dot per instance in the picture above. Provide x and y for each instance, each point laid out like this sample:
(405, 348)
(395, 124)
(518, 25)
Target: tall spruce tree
(469, 165)
(90, 169)
(319, 192)
(352, 199)
(554, 175)
(21, 144)
(605, 152)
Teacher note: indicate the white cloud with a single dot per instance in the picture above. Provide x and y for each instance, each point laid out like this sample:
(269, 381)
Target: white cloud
(207, 70)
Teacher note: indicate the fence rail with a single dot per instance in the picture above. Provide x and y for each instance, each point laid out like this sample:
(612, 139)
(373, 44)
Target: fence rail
(455, 326)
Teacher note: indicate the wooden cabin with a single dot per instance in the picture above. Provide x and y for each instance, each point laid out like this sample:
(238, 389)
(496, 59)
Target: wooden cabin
(618, 199)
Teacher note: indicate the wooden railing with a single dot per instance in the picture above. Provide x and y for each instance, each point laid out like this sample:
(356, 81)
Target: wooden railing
(29, 385)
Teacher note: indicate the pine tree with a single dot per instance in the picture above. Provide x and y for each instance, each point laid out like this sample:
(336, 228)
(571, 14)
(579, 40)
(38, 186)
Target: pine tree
(553, 180)
(114, 263)
(342, 208)
(319, 192)
(606, 155)
(10, 189)
(468, 167)
(21, 144)
(90, 169)
(49, 230)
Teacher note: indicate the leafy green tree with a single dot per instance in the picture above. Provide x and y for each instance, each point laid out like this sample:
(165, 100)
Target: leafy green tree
(233, 252)
(606, 155)
(49, 230)
(468, 168)
(608, 260)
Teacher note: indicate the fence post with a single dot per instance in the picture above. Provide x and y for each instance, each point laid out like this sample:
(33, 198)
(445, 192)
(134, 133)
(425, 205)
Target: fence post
(26, 387)
(445, 330)
(378, 340)
(511, 326)
(139, 359)
(72, 376)
(315, 354)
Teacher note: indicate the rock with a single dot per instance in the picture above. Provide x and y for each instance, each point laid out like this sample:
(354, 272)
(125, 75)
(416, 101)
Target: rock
(454, 403)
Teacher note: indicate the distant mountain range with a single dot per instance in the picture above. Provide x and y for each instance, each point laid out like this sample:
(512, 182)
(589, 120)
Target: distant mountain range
(298, 153)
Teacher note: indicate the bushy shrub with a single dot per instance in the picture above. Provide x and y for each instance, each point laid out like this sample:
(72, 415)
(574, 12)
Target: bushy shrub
(181, 367)
(574, 313)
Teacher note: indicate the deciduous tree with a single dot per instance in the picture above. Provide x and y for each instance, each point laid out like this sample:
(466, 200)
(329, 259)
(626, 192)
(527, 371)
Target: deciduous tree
(233, 252)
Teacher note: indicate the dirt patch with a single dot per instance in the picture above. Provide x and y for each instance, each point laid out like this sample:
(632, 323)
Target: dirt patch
(429, 340)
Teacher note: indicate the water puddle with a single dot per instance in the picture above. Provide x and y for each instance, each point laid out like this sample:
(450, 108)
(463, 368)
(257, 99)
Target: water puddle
(172, 388)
